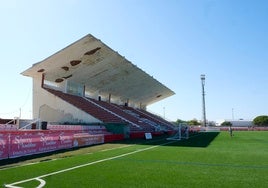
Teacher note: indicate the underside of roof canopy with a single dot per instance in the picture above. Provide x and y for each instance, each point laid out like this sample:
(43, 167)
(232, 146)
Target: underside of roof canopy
(93, 64)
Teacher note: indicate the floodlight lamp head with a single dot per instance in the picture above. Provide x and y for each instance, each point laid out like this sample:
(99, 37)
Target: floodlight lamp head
(202, 77)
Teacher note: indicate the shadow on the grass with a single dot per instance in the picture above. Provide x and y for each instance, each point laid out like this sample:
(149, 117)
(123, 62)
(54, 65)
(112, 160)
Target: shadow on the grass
(202, 139)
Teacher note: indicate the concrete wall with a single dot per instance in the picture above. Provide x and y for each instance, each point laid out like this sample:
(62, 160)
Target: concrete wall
(51, 108)
(236, 123)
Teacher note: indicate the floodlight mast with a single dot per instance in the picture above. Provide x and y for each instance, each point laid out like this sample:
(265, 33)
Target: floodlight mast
(203, 99)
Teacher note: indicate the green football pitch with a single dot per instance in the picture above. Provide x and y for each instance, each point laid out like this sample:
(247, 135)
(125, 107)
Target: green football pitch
(211, 159)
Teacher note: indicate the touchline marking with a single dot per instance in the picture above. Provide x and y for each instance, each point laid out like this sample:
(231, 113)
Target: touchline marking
(42, 182)
(39, 178)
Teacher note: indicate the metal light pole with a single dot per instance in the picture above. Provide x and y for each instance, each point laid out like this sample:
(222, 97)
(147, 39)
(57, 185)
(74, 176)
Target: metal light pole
(203, 97)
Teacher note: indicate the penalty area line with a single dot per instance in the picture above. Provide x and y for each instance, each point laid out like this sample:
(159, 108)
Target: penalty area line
(39, 178)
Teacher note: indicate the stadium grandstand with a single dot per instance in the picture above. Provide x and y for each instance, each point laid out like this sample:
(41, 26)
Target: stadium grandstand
(86, 94)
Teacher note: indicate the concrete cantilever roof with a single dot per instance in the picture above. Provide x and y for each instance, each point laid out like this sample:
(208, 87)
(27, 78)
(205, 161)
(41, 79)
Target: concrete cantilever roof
(92, 63)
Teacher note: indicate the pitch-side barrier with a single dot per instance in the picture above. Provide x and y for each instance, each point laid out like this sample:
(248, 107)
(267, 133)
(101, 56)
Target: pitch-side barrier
(19, 143)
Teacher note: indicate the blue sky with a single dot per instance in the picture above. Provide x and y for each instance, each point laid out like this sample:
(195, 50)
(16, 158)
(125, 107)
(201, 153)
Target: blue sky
(174, 40)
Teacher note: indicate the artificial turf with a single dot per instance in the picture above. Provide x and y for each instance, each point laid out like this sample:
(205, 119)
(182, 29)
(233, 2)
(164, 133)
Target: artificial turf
(205, 160)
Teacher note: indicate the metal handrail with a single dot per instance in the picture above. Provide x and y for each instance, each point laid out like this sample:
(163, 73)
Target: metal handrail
(13, 120)
(34, 121)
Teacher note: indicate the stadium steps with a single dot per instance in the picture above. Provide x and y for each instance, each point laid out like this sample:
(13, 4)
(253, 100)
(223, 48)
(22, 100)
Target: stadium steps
(136, 122)
(106, 112)
(105, 106)
(147, 125)
(153, 117)
(87, 107)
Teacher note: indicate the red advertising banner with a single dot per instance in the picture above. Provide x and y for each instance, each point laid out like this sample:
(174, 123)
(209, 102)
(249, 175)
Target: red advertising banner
(65, 140)
(23, 144)
(28, 144)
(3, 146)
(49, 142)
(87, 139)
(17, 144)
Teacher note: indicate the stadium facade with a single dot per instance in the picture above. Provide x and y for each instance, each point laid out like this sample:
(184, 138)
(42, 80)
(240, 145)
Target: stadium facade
(88, 82)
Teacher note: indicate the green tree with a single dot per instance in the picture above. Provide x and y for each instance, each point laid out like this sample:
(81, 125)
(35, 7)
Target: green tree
(179, 121)
(226, 123)
(194, 122)
(261, 120)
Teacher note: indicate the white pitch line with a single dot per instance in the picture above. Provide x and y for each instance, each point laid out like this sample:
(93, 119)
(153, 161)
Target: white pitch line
(11, 186)
(42, 183)
(80, 166)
